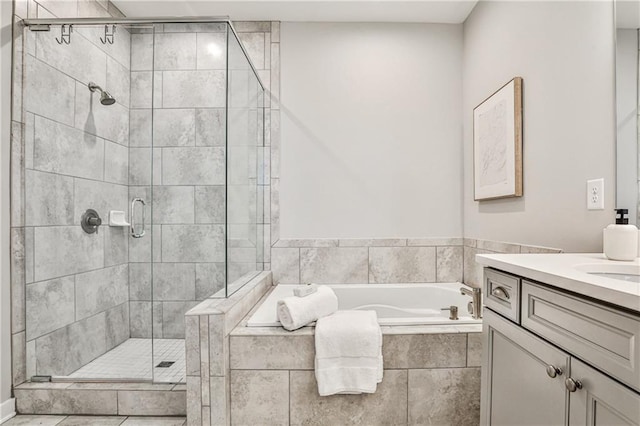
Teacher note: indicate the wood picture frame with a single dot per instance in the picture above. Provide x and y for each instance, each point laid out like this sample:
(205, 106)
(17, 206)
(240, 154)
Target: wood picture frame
(497, 144)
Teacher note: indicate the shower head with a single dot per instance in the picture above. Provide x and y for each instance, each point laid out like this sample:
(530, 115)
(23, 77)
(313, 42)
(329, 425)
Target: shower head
(105, 97)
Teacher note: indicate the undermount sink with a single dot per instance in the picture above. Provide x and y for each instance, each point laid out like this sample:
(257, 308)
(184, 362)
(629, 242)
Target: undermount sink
(618, 271)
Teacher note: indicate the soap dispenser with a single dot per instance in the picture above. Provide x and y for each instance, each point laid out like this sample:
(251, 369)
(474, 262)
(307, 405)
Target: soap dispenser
(620, 241)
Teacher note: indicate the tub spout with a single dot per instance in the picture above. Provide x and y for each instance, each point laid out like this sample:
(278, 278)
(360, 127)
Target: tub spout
(475, 306)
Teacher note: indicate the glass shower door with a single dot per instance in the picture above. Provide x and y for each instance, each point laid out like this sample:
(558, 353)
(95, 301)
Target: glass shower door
(188, 187)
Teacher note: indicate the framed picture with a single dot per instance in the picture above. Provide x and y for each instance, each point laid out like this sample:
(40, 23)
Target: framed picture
(497, 144)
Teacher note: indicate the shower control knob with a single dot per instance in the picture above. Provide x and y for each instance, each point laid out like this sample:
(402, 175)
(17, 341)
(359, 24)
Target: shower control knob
(90, 221)
(553, 371)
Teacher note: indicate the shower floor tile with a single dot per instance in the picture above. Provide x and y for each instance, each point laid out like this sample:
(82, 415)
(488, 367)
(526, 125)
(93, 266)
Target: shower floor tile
(132, 360)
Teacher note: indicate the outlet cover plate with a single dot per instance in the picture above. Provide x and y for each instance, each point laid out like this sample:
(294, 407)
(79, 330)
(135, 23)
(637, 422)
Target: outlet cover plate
(595, 194)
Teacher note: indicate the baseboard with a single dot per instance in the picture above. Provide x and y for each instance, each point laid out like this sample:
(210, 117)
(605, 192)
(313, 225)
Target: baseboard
(7, 409)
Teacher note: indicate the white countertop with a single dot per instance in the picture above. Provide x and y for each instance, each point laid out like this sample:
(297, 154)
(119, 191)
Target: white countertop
(563, 271)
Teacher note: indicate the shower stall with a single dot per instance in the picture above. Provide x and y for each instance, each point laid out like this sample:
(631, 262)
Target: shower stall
(142, 191)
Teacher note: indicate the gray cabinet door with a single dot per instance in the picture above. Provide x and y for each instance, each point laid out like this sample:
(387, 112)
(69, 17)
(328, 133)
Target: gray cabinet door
(601, 401)
(516, 388)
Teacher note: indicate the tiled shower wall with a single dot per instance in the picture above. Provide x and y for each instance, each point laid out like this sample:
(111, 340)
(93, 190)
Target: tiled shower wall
(69, 153)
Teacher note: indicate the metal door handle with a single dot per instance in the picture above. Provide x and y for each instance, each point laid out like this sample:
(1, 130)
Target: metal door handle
(134, 233)
(500, 293)
(572, 385)
(553, 371)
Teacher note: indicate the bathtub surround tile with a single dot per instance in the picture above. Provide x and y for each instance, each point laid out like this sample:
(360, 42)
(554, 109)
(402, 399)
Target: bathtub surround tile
(272, 352)
(50, 306)
(92, 421)
(470, 242)
(55, 245)
(376, 242)
(473, 271)
(174, 127)
(192, 351)
(444, 396)
(218, 342)
(498, 247)
(68, 151)
(194, 404)
(334, 265)
(388, 405)
(449, 264)
(474, 349)
(193, 243)
(99, 290)
(154, 421)
(220, 409)
(298, 243)
(538, 249)
(66, 401)
(285, 265)
(428, 242)
(402, 264)
(189, 89)
(424, 350)
(258, 395)
(146, 403)
(175, 51)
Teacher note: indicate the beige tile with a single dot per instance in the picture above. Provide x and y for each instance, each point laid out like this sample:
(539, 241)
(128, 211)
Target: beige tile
(429, 242)
(424, 351)
(387, 406)
(329, 265)
(498, 246)
(472, 270)
(272, 352)
(146, 403)
(537, 249)
(402, 264)
(285, 265)
(66, 401)
(373, 242)
(474, 349)
(298, 243)
(449, 264)
(444, 397)
(257, 396)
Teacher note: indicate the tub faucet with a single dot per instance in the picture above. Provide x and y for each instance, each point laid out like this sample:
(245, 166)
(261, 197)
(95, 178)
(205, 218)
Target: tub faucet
(475, 306)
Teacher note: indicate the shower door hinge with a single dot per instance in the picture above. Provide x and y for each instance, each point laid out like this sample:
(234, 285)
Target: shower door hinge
(40, 379)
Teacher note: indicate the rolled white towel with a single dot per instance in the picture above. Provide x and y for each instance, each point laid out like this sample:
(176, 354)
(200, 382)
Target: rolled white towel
(296, 312)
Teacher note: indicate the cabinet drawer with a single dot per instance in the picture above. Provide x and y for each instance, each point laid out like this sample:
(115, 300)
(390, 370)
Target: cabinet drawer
(502, 294)
(602, 336)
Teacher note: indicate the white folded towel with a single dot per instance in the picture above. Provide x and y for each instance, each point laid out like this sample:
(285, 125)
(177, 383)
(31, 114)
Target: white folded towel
(348, 353)
(296, 312)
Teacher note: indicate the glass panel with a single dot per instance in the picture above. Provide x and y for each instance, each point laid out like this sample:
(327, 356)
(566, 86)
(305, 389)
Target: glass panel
(189, 61)
(244, 150)
(88, 293)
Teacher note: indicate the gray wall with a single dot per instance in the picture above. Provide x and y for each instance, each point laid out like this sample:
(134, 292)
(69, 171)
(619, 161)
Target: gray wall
(627, 115)
(565, 53)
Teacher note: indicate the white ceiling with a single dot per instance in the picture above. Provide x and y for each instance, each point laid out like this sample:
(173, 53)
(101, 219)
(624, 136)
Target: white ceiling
(432, 11)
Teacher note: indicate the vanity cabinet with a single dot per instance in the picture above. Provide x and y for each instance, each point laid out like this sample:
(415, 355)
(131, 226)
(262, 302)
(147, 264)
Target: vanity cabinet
(554, 358)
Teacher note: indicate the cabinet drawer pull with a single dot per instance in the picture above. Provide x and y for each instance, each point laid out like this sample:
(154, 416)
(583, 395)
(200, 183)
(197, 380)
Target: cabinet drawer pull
(572, 385)
(553, 371)
(500, 293)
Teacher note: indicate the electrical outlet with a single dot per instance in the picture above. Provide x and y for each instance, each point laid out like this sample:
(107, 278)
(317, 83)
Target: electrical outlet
(595, 194)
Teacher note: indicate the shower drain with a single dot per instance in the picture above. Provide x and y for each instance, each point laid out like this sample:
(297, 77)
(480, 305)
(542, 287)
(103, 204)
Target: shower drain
(165, 364)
